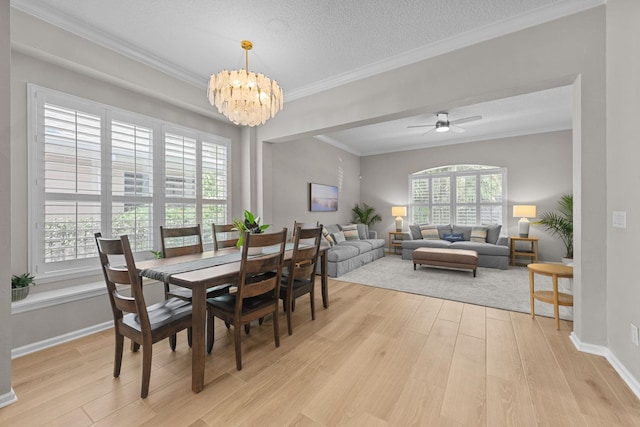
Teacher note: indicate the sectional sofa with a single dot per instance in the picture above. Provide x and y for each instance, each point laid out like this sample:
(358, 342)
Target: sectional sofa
(493, 251)
(351, 246)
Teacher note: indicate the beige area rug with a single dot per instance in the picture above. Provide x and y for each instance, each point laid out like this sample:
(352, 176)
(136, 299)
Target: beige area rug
(503, 289)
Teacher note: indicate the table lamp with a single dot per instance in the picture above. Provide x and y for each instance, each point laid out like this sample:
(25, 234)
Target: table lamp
(398, 212)
(523, 212)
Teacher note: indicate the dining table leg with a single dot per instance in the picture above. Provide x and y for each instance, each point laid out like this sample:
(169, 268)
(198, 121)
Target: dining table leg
(199, 312)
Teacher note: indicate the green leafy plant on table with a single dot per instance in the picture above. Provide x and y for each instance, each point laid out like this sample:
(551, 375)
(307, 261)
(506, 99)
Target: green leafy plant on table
(365, 214)
(560, 223)
(249, 223)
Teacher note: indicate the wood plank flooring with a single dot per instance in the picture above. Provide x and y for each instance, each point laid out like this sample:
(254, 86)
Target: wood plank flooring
(375, 357)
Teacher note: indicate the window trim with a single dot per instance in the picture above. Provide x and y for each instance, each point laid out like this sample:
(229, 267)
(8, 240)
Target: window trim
(453, 175)
(38, 96)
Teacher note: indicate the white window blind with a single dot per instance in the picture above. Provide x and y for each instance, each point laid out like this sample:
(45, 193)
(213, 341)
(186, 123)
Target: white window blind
(101, 169)
(460, 194)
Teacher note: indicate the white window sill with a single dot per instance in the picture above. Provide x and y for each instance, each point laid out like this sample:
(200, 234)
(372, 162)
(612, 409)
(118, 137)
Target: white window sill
(41, 300)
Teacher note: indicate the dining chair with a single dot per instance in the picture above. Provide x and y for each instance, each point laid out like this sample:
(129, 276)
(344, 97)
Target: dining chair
(257, 293)
(297, 224)
(184, 241)
(132, 318)
(225, 230)
(301, 270)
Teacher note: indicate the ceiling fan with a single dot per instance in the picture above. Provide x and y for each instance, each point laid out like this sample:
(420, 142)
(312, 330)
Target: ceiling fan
(444, 125)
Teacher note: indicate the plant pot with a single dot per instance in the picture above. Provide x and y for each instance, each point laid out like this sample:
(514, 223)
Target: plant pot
(18, 294)
(567, 261)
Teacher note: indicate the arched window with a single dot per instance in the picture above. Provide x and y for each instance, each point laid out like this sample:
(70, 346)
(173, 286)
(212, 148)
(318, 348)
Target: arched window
(458, 194)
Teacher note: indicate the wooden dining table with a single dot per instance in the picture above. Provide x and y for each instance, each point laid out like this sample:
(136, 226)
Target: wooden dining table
(202, 279)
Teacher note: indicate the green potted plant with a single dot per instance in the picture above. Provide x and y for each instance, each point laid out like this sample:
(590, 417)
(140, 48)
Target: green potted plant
(20, 286)
(561, 223)
(249, 223)
(365, 214)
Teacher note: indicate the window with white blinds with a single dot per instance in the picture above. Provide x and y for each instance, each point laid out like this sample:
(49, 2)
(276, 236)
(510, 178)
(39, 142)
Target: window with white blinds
(101, 169)
(459, 194)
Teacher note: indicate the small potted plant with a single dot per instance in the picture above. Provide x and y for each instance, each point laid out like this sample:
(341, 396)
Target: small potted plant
(249, 223)
(20, 286)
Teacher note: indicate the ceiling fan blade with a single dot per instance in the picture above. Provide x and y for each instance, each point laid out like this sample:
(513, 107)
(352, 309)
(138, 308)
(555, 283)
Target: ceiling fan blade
(418, 126)
(456, 129)
(466, 120)
(429, 131)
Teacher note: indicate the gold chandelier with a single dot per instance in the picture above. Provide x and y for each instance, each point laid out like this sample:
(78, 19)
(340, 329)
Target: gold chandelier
(244, 97)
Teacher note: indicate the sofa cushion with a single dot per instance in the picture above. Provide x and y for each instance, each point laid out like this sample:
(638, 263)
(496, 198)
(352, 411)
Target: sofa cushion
(493, 233)
(376, 243)
(413, 244)
(465, 230)
(479, 234)
(453, 237)
(350, 232)
(482, 248)
(363, 246)
(429, 232)
(342, 252)
(332, 228)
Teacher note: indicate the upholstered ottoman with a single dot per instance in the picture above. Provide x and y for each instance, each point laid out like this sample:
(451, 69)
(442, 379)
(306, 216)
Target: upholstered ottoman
(450, 258)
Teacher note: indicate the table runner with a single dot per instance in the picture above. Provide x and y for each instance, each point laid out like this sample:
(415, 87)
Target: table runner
(162, 273)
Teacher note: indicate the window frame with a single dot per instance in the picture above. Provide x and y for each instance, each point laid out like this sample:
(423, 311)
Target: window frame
(38, 97)
(453, 175)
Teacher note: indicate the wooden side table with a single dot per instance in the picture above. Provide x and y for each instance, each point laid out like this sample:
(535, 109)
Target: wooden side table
(551, 297)
(531, 253)
(394, 242)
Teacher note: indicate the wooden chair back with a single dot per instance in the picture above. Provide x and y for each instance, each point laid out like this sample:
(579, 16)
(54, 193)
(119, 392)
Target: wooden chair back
(226, 230)
(127, 277)
(181, 241)
(297, 225)
(301, 270)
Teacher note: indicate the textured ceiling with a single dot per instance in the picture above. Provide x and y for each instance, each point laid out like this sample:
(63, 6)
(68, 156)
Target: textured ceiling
(306, 45)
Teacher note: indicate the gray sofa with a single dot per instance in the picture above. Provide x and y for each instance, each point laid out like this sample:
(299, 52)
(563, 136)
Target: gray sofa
(347, 255)
(494, 253)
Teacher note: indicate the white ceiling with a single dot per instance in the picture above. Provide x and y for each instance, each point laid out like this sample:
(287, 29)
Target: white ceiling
(312, 45)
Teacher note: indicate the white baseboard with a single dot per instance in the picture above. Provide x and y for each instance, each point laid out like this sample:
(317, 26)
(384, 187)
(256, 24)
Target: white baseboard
(624, 373)
(50, 342)
(8, 398)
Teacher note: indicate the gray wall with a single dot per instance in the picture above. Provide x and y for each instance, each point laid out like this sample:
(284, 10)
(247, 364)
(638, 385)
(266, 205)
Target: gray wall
(623, 178)
(6, 394)
(293, 165)
(538, 173)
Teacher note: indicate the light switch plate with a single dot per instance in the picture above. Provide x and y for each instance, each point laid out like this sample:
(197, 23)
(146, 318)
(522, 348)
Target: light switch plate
(620, 219)
(634, 334)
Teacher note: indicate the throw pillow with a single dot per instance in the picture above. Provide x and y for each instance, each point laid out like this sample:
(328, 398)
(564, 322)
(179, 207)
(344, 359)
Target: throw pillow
(363, 231)
(327, 237)
(429, 232)
(479, 234)
(338, 237)
(454, 237)
(350, 232)
(493, 233)
(415, 231)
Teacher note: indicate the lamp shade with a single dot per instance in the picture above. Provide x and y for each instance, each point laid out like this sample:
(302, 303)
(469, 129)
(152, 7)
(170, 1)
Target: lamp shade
(398, 211)
(524, 211)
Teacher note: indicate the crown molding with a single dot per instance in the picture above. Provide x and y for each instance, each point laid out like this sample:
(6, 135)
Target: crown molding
(338, 144)
(539, 16)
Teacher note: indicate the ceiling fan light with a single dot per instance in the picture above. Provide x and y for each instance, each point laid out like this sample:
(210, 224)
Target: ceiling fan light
(442, 126)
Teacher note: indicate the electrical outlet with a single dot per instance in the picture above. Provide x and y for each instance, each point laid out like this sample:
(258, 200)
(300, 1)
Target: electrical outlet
(634, 334)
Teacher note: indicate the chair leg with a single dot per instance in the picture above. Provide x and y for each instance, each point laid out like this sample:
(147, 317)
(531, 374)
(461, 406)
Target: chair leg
(189, 336)
(173, 339)
(276, 326)
(313, 304)
(289, 326)
(247, 328)
(261, 321)
(117, 361)
(210, 332)
(135, 346)
(147, 352)
(236, 337)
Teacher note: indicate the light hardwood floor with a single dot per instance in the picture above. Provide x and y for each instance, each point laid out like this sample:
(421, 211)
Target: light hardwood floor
(374, 358)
